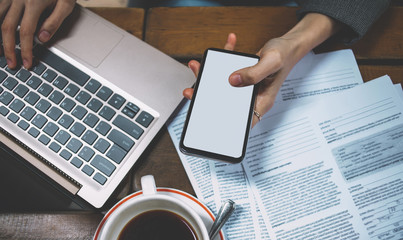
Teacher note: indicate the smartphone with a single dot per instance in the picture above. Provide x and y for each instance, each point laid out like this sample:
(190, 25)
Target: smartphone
(219, 117)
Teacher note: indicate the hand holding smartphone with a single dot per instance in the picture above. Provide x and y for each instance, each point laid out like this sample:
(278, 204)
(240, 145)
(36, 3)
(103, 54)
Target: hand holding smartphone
(220, 115)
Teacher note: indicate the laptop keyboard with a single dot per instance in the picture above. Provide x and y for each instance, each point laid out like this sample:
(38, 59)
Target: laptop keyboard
(72, 114)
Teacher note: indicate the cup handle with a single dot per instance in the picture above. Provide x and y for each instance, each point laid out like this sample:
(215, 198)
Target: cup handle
(148, 185)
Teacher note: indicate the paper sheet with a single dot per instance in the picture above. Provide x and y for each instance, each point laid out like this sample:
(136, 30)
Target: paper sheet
(332, 163)
(312, 77)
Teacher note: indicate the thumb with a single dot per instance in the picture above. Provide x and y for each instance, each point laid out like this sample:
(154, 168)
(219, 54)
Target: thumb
(56, 18)
(254, 74)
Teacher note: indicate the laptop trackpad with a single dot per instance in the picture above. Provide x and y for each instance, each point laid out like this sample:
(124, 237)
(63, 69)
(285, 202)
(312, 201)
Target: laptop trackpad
(86, 38)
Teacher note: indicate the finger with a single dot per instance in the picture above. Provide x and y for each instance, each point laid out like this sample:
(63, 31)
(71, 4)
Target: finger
(27, 30)
(62, 9)
(8, 29)
(188, 93)
(231, 42)
(4, 5)
(267, 66)
(194, 66)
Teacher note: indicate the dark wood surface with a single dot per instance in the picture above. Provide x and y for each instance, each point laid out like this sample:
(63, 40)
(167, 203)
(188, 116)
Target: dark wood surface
(184, 33)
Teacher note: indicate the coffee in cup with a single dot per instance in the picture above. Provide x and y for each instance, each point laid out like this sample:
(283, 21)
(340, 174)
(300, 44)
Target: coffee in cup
(150, 215)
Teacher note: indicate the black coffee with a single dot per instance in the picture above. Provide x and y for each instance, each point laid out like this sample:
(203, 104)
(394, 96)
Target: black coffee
(157, 225)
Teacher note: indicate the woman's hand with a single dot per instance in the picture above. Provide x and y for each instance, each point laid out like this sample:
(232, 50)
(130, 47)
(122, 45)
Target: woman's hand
(277, 57)
(26, 13)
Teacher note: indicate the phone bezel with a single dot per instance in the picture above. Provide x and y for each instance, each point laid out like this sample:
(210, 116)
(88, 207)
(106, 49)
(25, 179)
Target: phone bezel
(212, 155)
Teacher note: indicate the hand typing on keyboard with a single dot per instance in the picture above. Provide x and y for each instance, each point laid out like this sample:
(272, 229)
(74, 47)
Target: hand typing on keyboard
(27, 14)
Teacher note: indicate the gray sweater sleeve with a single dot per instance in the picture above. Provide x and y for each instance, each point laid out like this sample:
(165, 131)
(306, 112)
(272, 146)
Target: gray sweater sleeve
(357, 15)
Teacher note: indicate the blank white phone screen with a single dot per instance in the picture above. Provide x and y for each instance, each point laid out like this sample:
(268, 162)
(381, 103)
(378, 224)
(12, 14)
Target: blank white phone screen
(220, 112)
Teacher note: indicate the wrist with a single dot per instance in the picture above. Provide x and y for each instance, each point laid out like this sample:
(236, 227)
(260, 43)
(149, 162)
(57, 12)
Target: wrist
(311, 31)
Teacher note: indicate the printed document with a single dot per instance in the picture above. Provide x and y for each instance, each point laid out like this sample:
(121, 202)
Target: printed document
(265, 185)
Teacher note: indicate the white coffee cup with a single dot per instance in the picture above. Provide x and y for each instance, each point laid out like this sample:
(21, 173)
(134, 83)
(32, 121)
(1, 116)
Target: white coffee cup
(150, 200)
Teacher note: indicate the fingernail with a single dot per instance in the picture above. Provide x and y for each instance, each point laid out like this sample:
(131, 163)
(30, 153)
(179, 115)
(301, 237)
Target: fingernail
(44, 36)
(235, 80)
(9, 62)
(25, 63)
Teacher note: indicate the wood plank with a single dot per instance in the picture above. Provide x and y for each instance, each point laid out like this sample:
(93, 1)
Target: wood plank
(49, 225)
(129, 19)
(162, 161)
(186, 32)
(369, 72)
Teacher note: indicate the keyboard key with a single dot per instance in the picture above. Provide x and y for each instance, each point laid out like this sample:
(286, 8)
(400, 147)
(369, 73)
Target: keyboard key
(67, 104)
(71, 90)
(45, 89)
(66, 121)
(130, 112)
(23, 125)
(76, 162)
(12, 71)
(89, 137)
(60, 82)
(49, 75)
(74, 145)
(17, 105)
(116, 154)
(77, 129)
(21, 90)
(32, 98)
(79, 112)
(93, 85)
(121, 140)
(83, 97)
(144, 119)
(91, 120)
(34, 82)
(88, 170)
(51, 129)
(56, 97)
(103, 128)
(6, 98)
(4, 111)
(107, 113)
(55, 147)
(33, 132)
(54, 113)
(1, 89)
(39, 68)
(99, 178)
(28, 113)
(104, 93)
(43, 105)
(39, 121)
(62, 137)
(10, 83)
(44, 139)
(128, 126)
(94, 105)
(116, 101)
(3, 76)
(102, 145)
(61, 65)
(65, 154)
(103, 165)
(3, 61)
(86, 153)
(23, 75)
(13, 118)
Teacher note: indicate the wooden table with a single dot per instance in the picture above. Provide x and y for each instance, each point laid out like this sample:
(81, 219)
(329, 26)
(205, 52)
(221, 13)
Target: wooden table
(184, 33)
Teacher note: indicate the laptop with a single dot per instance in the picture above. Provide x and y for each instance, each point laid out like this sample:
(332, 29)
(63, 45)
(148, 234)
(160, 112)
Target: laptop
(84, 114)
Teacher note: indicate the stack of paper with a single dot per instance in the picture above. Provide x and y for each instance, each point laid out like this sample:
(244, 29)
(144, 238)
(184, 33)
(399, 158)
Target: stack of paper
(322, 164)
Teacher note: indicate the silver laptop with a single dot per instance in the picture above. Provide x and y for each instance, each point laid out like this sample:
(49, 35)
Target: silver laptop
(85, 113)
